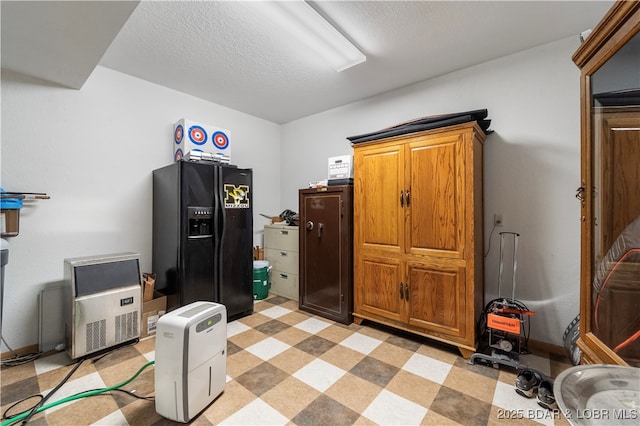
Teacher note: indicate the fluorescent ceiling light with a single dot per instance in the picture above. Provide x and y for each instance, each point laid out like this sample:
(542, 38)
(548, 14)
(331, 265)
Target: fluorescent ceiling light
(311, 28)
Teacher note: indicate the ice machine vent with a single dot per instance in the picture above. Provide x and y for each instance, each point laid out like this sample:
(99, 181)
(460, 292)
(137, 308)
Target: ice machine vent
(126, 326)
(96, 335)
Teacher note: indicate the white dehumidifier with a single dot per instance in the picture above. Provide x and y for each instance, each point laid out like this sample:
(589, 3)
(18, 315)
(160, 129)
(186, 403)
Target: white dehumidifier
(190, 359)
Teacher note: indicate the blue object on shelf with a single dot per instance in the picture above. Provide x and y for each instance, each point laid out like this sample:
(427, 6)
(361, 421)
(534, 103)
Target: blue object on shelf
(10, 203)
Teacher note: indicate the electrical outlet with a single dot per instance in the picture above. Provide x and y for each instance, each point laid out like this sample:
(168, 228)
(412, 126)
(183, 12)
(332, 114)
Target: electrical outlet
(497, 219)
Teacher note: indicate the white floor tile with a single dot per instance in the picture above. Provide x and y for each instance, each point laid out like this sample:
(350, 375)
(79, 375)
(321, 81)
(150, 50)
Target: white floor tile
(72, 387)
(312, 325)
(50, 363)
(319, 374)
(391, 409)
(236, 327)
(519, 407)
(276, 312)
(361, 343)
(114, 419)
(268, 348)
(427, 367)
(256, 412)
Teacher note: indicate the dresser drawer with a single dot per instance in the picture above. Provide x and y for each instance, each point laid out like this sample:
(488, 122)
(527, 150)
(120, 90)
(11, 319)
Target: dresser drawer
(284, 284)
(281, 237)
(282, 260)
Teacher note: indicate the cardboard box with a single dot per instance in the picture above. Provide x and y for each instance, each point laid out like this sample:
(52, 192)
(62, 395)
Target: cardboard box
(10, 222)
(151, 312)
(258, 253)
(276, 219)
(148, 286)
(191, 136)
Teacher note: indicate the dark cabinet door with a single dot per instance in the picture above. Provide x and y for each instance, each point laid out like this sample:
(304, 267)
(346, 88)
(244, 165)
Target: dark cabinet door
(326, 252)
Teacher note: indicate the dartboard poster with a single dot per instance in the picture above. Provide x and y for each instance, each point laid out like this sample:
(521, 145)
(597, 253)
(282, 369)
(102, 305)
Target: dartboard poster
(191, 137)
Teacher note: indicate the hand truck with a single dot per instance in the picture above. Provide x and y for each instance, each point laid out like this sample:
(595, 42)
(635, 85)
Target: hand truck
(504, 319)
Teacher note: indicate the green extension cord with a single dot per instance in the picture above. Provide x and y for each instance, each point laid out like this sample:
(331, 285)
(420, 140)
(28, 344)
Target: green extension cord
(78, 396)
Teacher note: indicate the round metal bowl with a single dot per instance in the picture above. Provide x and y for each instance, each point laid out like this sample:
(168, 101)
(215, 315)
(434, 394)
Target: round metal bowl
(599, 395)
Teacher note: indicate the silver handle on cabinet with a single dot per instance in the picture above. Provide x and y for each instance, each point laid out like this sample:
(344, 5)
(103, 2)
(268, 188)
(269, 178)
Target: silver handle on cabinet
(284, 232)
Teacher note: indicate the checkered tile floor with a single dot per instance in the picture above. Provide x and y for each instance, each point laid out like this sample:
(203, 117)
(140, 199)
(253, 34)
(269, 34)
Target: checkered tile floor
(285, 366)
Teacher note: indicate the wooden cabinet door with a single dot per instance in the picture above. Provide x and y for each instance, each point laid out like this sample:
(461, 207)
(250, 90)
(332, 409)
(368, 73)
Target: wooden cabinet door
(436, 299)
(377, 185)
(435, 181)
(378, 287)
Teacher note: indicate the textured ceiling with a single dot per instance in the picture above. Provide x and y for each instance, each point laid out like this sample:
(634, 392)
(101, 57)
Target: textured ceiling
(229, 53)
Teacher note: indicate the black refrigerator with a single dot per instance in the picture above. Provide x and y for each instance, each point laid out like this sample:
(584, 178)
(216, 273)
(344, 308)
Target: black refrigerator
(203, 235)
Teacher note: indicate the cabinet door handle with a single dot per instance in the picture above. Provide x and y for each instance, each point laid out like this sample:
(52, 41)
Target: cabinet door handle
(580, 194)
(406, 292)
(284, 276)
(283, 253)
(401, 295)
(284, 232)
(408, 198)
(401, 198)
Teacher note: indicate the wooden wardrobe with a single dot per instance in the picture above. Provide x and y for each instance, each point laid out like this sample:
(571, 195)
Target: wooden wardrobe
(418, 233)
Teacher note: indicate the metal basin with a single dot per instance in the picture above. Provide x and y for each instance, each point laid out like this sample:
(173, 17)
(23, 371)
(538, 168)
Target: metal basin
(599, 395)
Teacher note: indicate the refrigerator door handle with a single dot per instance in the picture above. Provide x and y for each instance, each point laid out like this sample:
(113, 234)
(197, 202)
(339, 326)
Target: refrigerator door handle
(223, 212)
(199, 237)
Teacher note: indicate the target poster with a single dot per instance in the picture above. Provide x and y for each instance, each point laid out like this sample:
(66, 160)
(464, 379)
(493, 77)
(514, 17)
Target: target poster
(190, 136)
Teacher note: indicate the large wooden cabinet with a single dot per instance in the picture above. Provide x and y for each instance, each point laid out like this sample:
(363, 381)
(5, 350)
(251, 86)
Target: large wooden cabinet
(418, 263)
(609, 60)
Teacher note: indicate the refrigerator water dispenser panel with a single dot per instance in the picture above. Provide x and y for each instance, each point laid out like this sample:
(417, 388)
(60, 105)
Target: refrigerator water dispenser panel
(200, 221)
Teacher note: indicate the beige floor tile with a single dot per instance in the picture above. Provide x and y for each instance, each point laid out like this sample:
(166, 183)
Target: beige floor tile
(374, 333)
(414, 388)
(10, 375)
(293, 318)
(50, 379)
(448, 355)
(84, 411)
(291, 360)
(233, 398)
(353, 392)
(342, 357)
(470, 383)
(290, 397)
(241, 362)
(292, 336)
(335, 333)
(247, 338)
(255, 320)
(434, 419)
(391, 354)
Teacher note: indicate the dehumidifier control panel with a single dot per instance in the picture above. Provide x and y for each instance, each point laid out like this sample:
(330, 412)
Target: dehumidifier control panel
(208, 323)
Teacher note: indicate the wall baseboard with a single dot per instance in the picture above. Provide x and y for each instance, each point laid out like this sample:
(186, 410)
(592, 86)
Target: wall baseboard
(537, 346)
(31, 349)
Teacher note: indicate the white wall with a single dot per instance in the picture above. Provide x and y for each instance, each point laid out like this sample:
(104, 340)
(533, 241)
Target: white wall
(92, 151)
(531, 166)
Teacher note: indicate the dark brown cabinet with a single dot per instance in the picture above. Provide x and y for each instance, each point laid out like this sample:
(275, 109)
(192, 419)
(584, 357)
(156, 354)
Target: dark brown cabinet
(326, 252)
